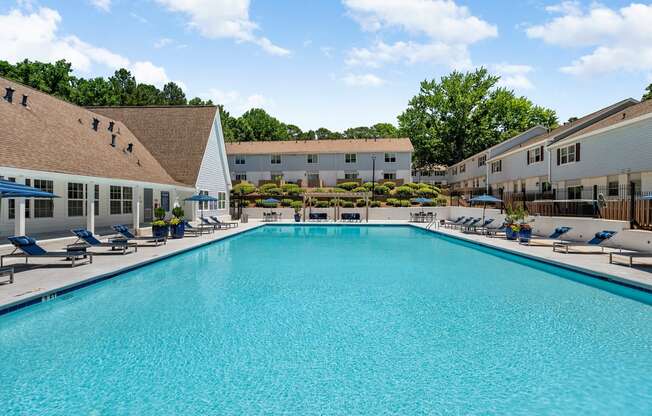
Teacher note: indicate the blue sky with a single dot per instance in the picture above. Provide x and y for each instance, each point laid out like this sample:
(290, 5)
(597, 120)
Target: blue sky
(344, 63)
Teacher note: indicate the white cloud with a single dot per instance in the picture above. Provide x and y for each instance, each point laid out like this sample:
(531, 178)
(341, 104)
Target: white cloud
(138, 17)
(327, 51)
(44, 43)
(622, 38)
(455, 56)
(514, 76)
(223, 19)
(363, 80)
(236, 103)
(104, 5)
(162, 43)
(450, 29)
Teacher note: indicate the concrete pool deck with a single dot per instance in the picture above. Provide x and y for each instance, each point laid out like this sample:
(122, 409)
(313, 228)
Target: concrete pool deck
(44, 277)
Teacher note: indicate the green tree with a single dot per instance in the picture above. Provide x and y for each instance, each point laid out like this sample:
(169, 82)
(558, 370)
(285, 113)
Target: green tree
(361, 132)
(294, 132)
(94, 91)
(199, 101)
(258, 125)
(123, 86)
(384, 130)
(173, 94)
(463, 113)
(648, 93)
(146, 94)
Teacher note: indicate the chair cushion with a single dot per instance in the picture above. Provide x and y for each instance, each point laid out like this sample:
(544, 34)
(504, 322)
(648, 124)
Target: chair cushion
(22, 241)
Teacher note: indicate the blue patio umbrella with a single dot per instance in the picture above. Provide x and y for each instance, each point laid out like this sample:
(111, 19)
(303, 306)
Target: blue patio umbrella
(16, 190)
(422, 200)
(647, 197)
(271, 201)
(485, 199)
(201, 198)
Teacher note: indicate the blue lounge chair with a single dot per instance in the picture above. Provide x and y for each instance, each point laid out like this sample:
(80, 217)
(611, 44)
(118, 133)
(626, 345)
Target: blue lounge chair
(351, 216)
(471, 224)
(123, 230)
(206, 221)
(559, 231)
(317, 216)
(27, 247)
(481, 227)
(198, 229)
(227, 224)
(86, 239)
(465, 223)
(494, 231)
(596, 241)
(454, 222)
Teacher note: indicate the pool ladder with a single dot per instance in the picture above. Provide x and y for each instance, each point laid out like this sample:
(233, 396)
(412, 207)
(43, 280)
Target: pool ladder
(432, 223)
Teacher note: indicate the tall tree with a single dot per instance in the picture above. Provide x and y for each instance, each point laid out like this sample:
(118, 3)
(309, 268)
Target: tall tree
(123, 85)
(258, 125)
(384, 130)
(173, 94)
(648, 93)
(463, 113)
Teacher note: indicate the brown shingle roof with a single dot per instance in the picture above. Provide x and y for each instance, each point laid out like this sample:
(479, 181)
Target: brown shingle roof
(52, 135)
(319, 146)
(175, 135)
(627, 114)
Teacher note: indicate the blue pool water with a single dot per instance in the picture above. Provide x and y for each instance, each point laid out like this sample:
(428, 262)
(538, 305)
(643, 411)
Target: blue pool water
(333, 320)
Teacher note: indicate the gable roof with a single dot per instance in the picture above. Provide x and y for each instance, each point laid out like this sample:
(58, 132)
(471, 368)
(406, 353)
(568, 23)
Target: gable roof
(625, 115)
(319, 146)
(175, 135)
(52, 135)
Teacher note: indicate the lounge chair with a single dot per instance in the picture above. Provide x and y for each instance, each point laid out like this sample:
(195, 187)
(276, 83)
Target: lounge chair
(465, 223)
(317, 216)
(495, 230)
(198, 229)
(123, 230)
(596, 241)
(475, 227)
(631, 255)
(206, 221)
(351, 216)
(454, 222)
(86, 239)
(27, 247)
(227, 224)
(559, 231)
(471, 225)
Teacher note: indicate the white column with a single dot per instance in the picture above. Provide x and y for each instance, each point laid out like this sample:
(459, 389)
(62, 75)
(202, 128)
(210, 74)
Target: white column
(90, 207)
(19, 221)
(136, 208)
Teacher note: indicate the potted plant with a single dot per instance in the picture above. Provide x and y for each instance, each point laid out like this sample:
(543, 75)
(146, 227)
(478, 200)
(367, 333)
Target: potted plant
(515, 219)
(512, 230)
(159, 226)
(177, 224)
(525, 233)
(297, 205)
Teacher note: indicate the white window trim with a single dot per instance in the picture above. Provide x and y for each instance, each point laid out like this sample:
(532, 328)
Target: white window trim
(568, 162)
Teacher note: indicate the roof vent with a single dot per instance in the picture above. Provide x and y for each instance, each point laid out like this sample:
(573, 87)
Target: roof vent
(130, 147)
(111, 124)
(113, 137)
(24, 101)
(96, 123)
(9, 94)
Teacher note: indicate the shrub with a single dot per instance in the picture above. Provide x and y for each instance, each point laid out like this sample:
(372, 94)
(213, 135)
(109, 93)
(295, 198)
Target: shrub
(369, 185)
(359, 203)
(390, 185)
(359, 189)
(243, 188)
(392, 202)
(381, 190)
(348, 204)
(263, 188)
(159, 213)
(318, 190)
(374, 204)
(337, 190)
(404, 203)
(403, 192)
(178, 212)
(295, 191)
(333, 202)
(348, 185)
(441, 201)
(426, 192)
(297, 205)
(322, 204)
(245, 203)
(287, 186)
(286, 202)
(412, 185)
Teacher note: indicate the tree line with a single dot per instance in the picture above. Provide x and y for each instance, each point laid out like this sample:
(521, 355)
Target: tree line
(448, 120)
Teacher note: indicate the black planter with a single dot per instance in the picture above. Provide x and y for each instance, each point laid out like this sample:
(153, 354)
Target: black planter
(297, 217)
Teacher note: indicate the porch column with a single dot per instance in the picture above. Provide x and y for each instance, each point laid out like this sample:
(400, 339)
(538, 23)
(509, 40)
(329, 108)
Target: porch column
(19, 220)
(90, 207)
(136, 208)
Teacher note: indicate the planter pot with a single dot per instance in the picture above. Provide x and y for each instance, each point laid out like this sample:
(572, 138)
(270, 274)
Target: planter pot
(297, 217)
(511, 234)
(178, 231)
(524, 236)
(160, 232)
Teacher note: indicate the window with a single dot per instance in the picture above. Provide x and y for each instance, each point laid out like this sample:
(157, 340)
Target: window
(482, 160)
(462, 168)
(120, 200)
(497, 166)
(165, 201)
(240, 176)
(568, 154)
(612, 188)
(239, 160)
(390, 157)
(454, 171)
(546, 186)
(312, 159)
(11, 203)
(350, 175)
(389, 175)
(440, 173)
(277, 176)
(574, 192)
(221, 196)
(350, 158)
(44, 208)
(535, 155)
(275, 159)
(96, 200)
(76, 199)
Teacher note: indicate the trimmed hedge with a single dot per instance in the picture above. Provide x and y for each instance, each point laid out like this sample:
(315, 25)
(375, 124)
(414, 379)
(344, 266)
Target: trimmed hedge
(348, 185)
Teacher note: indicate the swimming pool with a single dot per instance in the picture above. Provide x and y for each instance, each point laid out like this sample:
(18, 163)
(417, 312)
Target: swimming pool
(333, 320)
